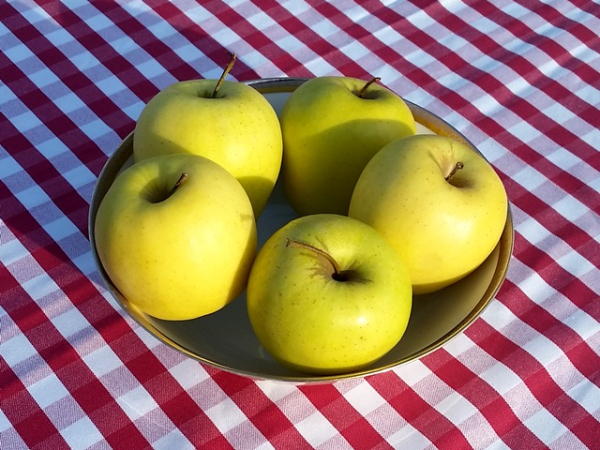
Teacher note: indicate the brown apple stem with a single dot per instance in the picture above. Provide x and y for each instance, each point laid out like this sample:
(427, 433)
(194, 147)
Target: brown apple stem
(224, 74)
(366, 86)
(324, 254)
(182, 179)
(459, 165)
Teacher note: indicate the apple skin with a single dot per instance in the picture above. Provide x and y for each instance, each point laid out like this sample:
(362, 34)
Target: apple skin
(239, 130)
(312, 323)
(329, 135)
(443, 230)
(186, 256)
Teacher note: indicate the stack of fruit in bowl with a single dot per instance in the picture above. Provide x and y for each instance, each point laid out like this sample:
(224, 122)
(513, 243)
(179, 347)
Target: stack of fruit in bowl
(382, 215)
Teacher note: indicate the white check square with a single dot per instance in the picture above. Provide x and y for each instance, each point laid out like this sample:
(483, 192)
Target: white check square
(533, 231)
(137, 403)
(32, 197)
(576, 264)
(102, 361)
(25, 121)
(587, 395)
(316, 429)
(95, 129)
(174, 440)
(543, 349)
(189, 373)
(47, 390)
(18, 53)
(11, 248)
(364, 399)
(40, 286)
(456, 408)
(17, 349)
(43, 77)
(409, 438)
(81, 434)
(226, 415)
(276, 391)
(79, 176)
(545, 426)
(68, 103)
(500, 378)
(60, 229)
(70, 322)
(570, 208)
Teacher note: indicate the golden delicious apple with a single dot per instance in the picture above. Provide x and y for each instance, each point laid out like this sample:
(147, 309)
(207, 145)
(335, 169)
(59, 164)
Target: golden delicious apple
(237, 128)
(438, 202)
(176, 234)
(331, 127)
(327, 294)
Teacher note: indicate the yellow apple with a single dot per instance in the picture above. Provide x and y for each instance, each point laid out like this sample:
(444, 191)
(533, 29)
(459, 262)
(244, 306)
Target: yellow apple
(438, 202)
(331, 127)
(176, 246)
(327, 294)
(238, 129)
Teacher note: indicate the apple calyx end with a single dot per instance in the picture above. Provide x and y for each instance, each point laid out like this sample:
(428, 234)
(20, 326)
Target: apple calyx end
(337, 274)
(227, 69)
(458, 166)
(363, 91)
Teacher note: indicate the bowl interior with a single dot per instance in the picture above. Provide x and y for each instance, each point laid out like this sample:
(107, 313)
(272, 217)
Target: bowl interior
(226, 340)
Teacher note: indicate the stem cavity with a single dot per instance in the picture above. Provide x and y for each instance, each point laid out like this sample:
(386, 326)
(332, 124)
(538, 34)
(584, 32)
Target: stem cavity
(157, 193)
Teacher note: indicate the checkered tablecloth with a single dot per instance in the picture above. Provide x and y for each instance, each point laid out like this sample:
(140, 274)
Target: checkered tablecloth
(520, 79)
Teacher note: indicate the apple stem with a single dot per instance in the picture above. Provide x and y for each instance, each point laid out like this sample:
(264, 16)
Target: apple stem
(366, 86)
(224, 74)
(182, 179)
(459, 165)
(336, 268)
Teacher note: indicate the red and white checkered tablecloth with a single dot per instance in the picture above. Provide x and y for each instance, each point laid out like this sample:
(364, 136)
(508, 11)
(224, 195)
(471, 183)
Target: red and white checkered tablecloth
(520, 79)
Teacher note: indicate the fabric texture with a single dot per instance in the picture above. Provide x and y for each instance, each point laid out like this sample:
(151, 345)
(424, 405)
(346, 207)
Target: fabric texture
(519, 79)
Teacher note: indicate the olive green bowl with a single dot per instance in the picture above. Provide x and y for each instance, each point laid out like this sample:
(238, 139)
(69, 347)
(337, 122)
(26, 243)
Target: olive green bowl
(225, 339)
